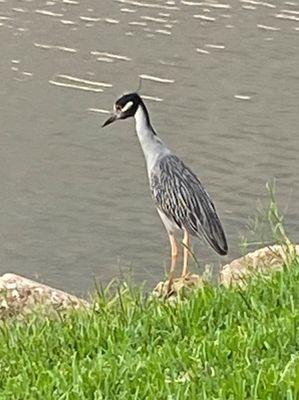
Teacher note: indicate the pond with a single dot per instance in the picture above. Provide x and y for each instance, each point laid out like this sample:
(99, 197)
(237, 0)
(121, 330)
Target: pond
(220, 80)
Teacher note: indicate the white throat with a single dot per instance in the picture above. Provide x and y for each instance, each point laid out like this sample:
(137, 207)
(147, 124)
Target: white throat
(153, 148)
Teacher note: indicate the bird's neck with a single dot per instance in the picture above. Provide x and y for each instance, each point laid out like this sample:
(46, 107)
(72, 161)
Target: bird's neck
(152, 146)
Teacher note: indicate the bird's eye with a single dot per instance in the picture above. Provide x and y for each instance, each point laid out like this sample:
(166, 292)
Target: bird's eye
(118, 108)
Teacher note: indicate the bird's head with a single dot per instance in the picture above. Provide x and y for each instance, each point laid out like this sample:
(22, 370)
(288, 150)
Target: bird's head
(124, 107)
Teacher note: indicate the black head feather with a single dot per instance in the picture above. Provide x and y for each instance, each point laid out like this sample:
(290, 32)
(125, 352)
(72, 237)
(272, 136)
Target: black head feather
(126, 106)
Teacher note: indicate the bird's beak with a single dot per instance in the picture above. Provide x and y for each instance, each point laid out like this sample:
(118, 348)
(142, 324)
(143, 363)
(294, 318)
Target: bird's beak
(111, 119)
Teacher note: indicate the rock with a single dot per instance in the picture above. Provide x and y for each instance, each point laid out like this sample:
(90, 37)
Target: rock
(19, 296)
(264, 260)
(191, 281)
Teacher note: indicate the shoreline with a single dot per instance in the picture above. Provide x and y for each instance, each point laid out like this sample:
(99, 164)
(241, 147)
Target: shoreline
(20, 295)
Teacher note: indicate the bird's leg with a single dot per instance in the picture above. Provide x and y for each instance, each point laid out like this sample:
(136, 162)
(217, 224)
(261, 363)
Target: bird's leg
(174, 256)
(185, 271)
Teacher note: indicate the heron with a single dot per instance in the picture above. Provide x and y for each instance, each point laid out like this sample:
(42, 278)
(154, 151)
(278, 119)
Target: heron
(180, 198)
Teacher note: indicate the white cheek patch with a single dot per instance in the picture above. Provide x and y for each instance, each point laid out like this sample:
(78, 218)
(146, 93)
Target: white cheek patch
(127, 106)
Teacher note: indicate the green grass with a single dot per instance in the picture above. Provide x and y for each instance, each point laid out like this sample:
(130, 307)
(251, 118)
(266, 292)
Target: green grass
(217, 343)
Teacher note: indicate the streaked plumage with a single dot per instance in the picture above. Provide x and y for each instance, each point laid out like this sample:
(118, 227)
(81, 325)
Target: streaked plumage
(178, 193)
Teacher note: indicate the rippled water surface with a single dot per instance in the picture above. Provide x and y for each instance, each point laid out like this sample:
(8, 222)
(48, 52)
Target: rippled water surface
(221, 83)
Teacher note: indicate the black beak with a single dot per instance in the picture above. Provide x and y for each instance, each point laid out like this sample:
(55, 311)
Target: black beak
(111, 119)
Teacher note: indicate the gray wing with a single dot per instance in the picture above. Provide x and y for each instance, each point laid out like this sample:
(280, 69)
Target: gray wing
(178, 193)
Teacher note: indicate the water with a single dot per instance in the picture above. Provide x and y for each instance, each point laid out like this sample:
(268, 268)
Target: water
(223, 91)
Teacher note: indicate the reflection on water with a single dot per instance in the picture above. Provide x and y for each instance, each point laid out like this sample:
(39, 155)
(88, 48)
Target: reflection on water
(221, 83)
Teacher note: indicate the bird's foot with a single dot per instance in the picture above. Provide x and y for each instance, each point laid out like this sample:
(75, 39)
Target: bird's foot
(165, 289)
(170, 289)
(187, 276)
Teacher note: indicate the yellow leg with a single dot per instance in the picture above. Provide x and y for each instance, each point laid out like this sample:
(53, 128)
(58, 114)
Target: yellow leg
(185, 271)
(174, 256)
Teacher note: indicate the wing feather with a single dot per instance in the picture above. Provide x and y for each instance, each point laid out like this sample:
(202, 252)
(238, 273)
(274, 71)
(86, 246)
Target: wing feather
(179, 194)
